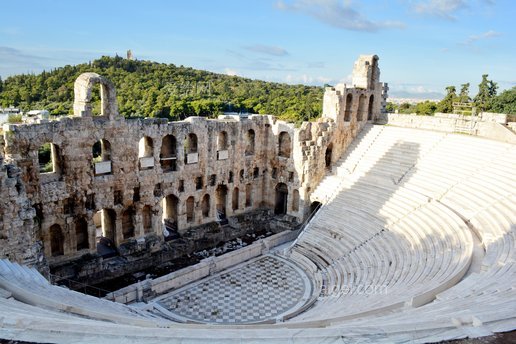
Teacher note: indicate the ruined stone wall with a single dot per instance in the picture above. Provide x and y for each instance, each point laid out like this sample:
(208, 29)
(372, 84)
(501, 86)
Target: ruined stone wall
(237, 165)
(18, 229)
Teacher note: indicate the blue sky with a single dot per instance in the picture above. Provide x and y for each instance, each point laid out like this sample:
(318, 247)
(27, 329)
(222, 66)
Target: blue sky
(423, 45)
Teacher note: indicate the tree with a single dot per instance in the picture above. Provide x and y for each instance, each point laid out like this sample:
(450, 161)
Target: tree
(446, 105)
(426, 108)
(464, 93)
(390, 107)
(505, 102)
(486, 93)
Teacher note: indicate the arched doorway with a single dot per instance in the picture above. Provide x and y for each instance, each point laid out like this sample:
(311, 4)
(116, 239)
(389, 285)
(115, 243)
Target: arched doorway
(169, 205)
(221, 198)
(347, 111)
(370, 110)
(281, 199)
(128, 223)
(56, 241)
(81, 234)
(328, 157)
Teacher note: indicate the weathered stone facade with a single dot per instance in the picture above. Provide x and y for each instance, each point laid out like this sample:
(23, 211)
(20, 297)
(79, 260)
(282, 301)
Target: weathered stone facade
(120, 178)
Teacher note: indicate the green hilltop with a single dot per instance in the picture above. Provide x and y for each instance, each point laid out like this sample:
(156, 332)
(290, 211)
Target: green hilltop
(151, 89)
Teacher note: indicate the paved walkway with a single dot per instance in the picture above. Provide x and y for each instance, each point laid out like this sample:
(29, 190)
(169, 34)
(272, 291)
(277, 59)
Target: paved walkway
(264, 288)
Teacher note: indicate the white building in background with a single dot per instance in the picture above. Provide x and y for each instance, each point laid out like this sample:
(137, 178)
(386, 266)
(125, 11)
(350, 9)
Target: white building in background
(6, 112)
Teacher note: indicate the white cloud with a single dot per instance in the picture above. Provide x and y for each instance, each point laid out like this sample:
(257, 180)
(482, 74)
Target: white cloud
(267, 49)
(440, 8)
(336, 13)
(486, 35)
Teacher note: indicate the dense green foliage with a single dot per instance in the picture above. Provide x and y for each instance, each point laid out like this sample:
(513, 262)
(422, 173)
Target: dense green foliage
(150, 89)
(505, 102)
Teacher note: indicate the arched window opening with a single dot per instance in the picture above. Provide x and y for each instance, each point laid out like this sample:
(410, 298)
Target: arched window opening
(256, 172)
(222, 146)
(56, 241)
(370, 108)
(235, 198)
(128, 223)
(249, 142)
(281, 199)
(146, 153)
(230, 177)
(101, 151)
(285, 145)
(295, 200)
(81, 234)
(241, 175)
(191, 154)
(328, 156)
(349, 105)
(361, 108)
(168, 155)
(190, 205)
(249, 195)
(170, 212)
(205, 205)
(48, 158)
(147, 219)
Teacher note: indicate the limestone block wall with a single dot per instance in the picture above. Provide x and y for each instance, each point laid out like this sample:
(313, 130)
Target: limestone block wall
(120, 178)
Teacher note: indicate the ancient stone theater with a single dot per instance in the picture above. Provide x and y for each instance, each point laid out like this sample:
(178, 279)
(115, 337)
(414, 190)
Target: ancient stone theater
(362, 226)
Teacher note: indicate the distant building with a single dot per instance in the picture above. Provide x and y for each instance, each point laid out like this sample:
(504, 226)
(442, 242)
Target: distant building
(130, 55)
(41, 113)
(11, 110)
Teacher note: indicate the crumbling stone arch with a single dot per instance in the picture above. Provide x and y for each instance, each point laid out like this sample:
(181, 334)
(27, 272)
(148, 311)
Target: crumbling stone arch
(82, 96)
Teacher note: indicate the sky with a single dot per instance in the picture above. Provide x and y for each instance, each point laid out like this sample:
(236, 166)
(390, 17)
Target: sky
(423, 45)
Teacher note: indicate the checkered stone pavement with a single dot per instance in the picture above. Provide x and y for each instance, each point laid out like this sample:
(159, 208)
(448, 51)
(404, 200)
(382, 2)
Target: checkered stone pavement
(256, 291)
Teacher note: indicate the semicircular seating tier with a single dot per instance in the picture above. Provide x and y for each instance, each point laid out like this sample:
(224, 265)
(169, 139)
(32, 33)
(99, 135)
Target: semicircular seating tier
(415, 241)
